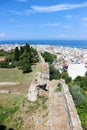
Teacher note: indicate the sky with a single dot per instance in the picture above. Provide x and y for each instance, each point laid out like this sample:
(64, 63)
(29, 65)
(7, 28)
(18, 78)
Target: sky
(43, 19)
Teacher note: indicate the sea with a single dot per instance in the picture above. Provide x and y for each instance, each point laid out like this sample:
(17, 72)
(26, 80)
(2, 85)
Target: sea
(64, 43)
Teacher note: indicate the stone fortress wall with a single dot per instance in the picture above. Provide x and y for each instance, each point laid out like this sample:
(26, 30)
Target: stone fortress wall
(72, 118)
(73, 121)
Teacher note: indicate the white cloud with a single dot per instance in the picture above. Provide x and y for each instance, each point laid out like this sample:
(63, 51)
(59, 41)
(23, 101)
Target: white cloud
(68, 16)
(59, 7)
(22, 0)
(48, 9)
(2, 35)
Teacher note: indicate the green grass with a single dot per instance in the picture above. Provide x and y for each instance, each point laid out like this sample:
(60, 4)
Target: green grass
(58, 89)
(12, 114)
(16, 75)
(44, 107)
(9, 105)
(33, 108)
(10, 100)
(7, 112)
(43, 99)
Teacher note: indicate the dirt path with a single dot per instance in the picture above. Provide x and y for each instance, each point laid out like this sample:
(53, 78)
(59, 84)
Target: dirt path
(56, 118)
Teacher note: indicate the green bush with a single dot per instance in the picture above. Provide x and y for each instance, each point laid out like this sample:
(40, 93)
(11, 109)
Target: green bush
(82, 82)
(77, 94)
(26, 68)
(80, 100)
(66, 77)
(22, 58)
(44, 107)
(54, 73)
(2, 52)
(50, 58)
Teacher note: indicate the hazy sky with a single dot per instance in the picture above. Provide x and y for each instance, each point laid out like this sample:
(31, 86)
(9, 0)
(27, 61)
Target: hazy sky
(43, 19)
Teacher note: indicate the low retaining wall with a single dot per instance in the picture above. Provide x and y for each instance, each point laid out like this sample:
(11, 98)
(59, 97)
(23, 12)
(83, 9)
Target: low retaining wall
(4, 92)
(9, 83)
(73, 121)
(9, 92)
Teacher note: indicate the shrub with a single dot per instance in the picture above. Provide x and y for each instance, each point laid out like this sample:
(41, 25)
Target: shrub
(26, 68)
(82, 82)
(77, 94)
(44, 106)
(54, 73)
(65, 76)
(50, 58)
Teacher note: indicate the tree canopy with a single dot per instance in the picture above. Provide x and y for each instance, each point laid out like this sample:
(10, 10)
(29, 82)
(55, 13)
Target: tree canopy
(50, 58)
(22, 58)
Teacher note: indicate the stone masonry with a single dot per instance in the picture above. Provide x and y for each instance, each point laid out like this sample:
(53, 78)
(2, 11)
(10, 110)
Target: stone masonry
(41, 79)
(73, 121)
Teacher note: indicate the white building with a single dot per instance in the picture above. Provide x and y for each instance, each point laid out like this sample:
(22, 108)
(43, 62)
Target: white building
(75, 70)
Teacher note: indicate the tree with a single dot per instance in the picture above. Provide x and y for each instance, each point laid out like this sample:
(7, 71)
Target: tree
(23, 58)
(80, 100)
(77, 94)
(2, 52)
(17, 54)
(82, 82)
(27, 48)
(10, 56)
(86, 73)
(54, 73)
(26, 68)
(50, 58)
(21, 50)
(34, 55)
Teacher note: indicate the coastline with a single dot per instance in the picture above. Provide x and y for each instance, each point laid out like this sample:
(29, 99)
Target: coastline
(64, 43)
(67, 53)
(75, 58)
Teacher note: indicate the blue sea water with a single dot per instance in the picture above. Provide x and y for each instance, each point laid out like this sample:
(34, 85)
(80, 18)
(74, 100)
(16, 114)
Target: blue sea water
(65, 43)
